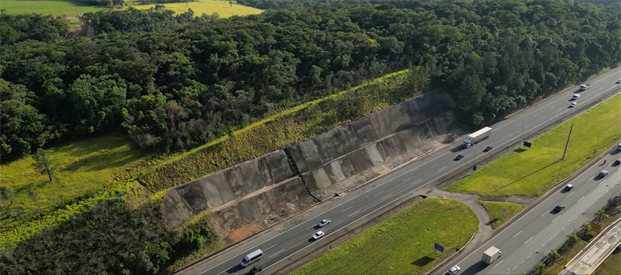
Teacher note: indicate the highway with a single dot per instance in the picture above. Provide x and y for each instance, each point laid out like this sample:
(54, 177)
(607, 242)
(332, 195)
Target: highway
(364, 202)
(535, 234)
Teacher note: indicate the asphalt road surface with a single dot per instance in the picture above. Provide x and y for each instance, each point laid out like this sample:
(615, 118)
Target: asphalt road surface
(535, 234)
(408, 178)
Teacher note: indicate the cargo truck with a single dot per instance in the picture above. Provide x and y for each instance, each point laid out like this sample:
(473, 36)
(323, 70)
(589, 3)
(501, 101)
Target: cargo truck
(491, 254)
(477, 136)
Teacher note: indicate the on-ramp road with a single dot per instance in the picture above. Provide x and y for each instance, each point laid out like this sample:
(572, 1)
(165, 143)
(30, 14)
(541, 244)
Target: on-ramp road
(535, 234)
(365, 202)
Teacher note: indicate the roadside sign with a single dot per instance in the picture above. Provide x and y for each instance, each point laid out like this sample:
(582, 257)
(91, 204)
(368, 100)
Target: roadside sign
(438, 247)
(504, 211)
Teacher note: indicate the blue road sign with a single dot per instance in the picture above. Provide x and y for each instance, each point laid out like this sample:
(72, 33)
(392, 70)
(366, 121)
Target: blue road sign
(438, 247)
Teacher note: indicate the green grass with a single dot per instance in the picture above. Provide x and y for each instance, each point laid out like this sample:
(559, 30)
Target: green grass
(403, 244)
(223, 8)
(612, 265)
(529, 172)
(85, 167)
(558, 265)
(494, 210)
(56, 8)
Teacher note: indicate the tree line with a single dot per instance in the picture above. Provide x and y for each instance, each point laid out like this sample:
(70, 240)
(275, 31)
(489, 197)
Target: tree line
(175, 82)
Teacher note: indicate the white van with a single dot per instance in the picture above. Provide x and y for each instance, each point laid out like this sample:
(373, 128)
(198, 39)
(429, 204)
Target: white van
(252, 257)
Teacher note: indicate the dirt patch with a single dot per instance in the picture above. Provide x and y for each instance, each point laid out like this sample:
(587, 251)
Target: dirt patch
(243, 232)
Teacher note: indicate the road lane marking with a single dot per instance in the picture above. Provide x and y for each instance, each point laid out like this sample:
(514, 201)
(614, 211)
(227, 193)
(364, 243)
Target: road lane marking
(379, 193)
(432, 166)
(528, 239)
(529, 256)
(497, 264)
(409, 178)
(386, 196)
(276, 253)
(347, 209)
(544, 213)
(536, 115)
(442, 169)
(272, 246)
(517, 234)
(581, 198)
(353, 213)
(553, 106)
(556, 218)
(521, 263)
(570, 194)
(514, 268)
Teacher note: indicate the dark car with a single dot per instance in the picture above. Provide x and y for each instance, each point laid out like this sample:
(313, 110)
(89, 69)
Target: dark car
(255, 270)
(559, 207)
(488, 148)
(602, 174)
(458, 157)
(568, 187)
(617, 162)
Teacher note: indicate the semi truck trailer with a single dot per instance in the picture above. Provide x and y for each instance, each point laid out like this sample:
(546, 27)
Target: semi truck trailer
(477, 136)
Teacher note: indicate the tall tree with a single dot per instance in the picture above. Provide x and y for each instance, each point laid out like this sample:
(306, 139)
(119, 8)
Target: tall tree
(43, 160)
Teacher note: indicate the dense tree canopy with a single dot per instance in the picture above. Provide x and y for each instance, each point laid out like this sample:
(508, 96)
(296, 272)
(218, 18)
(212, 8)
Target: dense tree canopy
(174, 82)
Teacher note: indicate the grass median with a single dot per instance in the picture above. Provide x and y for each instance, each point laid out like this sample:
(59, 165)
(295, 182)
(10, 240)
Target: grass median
(494, 210)
(224, 9)
(55, 8)
(530, 171)
(403, 244)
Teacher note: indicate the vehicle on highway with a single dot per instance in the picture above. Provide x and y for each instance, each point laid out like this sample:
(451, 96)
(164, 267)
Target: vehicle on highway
(573, 104)
(318, 235)
(559, 207)
(585, 87)
(568, 187)
(477, 136)
(619, 81)
(454, 270)
(256, 270)
(491, 254)
(252, 257)
(602, 174)
(458, 157)
(576, 96)
(323, 223)
(619, 147)
(617, 162)
(488, 148)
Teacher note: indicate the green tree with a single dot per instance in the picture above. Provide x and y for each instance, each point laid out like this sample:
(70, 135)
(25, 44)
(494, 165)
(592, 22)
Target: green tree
(541, 267)
(600, 215)
(573, 239)
(43, 160)
(586, 228)
(554, 255)
(34, 195)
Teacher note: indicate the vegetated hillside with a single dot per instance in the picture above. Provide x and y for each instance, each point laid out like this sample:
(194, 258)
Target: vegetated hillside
(175, 82)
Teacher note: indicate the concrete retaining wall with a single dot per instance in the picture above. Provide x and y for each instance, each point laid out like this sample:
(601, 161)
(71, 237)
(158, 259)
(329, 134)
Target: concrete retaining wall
(263, 191)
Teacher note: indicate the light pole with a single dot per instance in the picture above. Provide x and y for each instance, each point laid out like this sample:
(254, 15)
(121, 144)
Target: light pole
(521, 133)
(475, 156)
(597, 143)
(572, 226)
(508, 271)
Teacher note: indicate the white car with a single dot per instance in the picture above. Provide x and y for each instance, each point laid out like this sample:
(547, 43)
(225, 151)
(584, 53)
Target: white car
(318, 235)
(573, 104)
(569, 187)
(323, 223)
(576, 96)
(454, 270)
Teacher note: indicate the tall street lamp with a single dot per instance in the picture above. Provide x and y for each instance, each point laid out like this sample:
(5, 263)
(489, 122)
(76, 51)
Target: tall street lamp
(572, 226)
(597, 143)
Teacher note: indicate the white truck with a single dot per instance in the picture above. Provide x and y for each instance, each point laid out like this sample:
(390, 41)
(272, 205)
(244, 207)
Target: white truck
(491, 254)
(585, 87)
(477, 136)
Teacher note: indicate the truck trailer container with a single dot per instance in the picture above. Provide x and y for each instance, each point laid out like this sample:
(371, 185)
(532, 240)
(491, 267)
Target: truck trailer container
(491, 254)
(477, 136)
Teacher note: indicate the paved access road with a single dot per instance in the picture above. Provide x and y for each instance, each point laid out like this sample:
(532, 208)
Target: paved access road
(535, 234)
(364, 202)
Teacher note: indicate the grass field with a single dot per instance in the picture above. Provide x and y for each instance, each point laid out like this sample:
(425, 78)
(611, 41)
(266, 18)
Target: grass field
(612, 265)
(56, 8)
(494, 210)
(84, 168)
(223, 8)
(529, 172)
(403, 244)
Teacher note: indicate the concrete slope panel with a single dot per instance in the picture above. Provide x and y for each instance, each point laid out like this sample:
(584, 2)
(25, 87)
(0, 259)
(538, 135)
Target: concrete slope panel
(389, 147)
(176, 211)
(305, 155)
(337, 142)
(275, 168)
(364, 130)
(391, 120)
(249, 210)
(193, 194)
(251, 177)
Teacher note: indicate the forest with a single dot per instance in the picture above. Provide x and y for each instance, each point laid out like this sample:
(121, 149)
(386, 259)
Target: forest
(174, 82)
